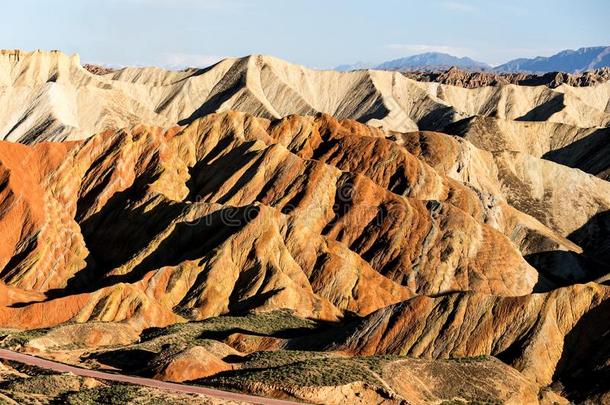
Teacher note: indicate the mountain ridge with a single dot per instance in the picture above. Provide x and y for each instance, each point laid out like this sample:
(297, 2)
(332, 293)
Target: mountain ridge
(432, 61)
(569, 61)
(566, 61)
(221, 247)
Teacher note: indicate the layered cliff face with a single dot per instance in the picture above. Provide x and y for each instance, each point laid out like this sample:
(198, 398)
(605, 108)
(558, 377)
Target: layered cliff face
(581, 148)
(373, 265)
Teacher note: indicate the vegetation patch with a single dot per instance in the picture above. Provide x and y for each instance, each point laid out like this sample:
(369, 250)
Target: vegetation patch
(473, 359)
(120, 394)
(13, 338)
(302, 369)
(281, 323)
(50, 384)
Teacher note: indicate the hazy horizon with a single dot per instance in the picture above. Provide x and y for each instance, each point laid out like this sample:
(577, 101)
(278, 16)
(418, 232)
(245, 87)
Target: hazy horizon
(180, 33)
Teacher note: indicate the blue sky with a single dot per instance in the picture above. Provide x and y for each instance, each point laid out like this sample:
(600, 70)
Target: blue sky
(317, 33)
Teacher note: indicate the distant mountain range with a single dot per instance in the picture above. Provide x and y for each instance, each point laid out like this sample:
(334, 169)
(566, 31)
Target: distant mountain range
(435, 60)
(570, 61)
(565, 61)
(424, 61)
(355, 66)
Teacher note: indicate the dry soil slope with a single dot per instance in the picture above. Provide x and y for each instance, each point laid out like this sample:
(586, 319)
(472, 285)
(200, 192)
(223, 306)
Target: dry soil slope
(130, 190)
(221, 358)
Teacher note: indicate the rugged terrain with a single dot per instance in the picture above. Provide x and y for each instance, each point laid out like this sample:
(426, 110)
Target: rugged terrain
(23, 384)
(315, 236)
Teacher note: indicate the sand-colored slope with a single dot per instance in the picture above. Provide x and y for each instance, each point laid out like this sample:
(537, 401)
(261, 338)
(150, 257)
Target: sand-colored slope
(48, 95)
(582, 148)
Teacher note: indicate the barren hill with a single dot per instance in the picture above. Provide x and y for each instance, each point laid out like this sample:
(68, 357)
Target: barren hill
(297, 248)
(327, 218)
(51, 96)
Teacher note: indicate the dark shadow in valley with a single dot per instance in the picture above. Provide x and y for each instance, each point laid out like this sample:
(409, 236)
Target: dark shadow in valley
(207, 178)
(560, 268)
(229, 85)
(371, 107)
(112, 237)
(437, 119)
(210, 106)
(583, 369)
(594, 237)
(133, 361)
(563, 268)
(459, 128)
(590, 154)
(10, 271)
(545, 110)
(189, 241)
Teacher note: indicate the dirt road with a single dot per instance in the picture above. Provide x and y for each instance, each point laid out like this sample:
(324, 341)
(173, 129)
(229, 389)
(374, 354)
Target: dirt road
(147, 382)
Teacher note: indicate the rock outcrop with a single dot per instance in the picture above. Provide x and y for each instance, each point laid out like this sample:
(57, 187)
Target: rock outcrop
(582, 148)
(321, 240)
(455, 76)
